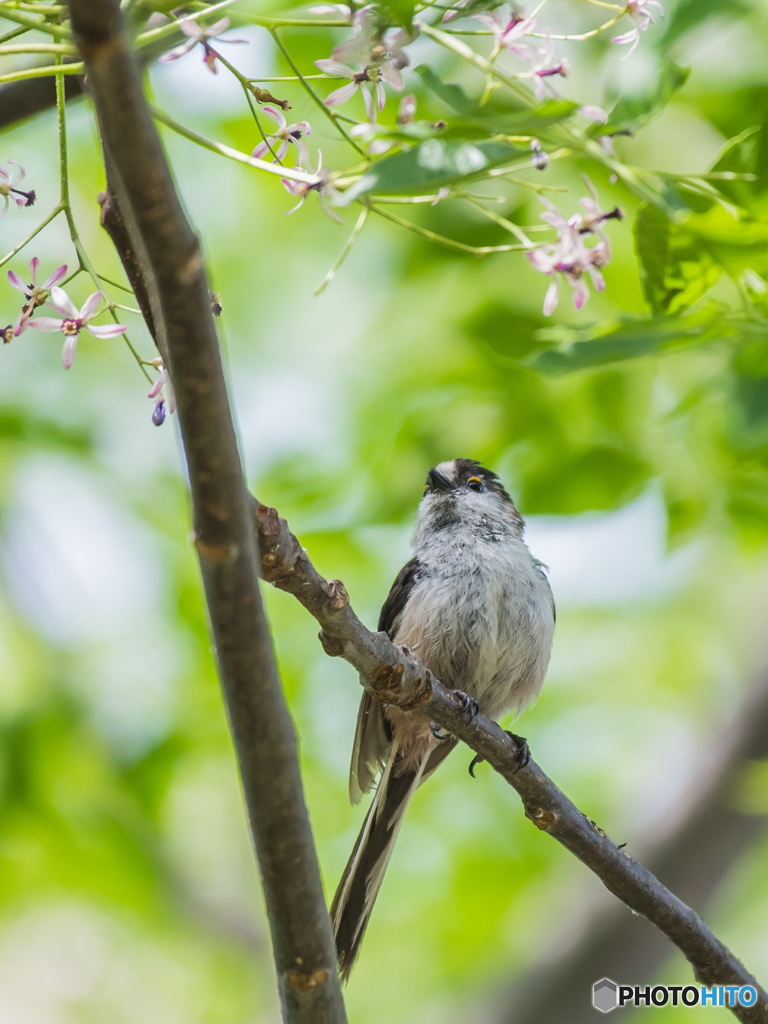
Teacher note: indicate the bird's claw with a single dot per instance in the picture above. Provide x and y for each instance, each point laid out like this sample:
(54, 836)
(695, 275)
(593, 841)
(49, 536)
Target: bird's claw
(467, 704)
(523, 754)
(523, 750)
(434, 728)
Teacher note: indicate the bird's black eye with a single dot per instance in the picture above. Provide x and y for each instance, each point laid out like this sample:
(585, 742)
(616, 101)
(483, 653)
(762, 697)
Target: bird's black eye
(475, 483)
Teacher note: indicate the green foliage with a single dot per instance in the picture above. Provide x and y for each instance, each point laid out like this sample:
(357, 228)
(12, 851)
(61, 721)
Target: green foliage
(431, 165)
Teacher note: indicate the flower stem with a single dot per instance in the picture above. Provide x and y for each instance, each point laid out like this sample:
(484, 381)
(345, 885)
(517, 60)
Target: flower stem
(294, 173)
(53, 214)
(450, 243)
(64, 202)
(344, 252)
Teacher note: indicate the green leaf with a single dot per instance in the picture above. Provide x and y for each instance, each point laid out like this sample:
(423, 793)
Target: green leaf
(496, 117)
(431, 165)
(739, 156)
(401, 11)
(689, 14)
(635, 111)
(624, 341)
(676, 270)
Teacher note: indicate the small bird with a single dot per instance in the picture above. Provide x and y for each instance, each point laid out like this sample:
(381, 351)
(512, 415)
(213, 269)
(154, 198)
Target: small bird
(476, 607)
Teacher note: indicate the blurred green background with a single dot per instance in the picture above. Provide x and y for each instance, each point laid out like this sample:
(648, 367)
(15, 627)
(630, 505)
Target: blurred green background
(128, 891)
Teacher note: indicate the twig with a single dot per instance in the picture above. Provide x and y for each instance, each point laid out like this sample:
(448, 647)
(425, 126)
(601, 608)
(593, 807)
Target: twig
(170, 258)
(393, 675)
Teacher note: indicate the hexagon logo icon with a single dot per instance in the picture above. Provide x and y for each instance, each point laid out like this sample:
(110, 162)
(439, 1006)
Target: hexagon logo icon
(605, 995)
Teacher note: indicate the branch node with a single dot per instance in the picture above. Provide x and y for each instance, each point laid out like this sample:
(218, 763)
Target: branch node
(269, 520)
(543, 820)
(305, 981)
(423, 688)
(386, 681)
(219, 553)
(333, 647)
(338, 598)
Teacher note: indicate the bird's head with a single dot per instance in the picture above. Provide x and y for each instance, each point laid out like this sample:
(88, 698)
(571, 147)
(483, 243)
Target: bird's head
(462, 493)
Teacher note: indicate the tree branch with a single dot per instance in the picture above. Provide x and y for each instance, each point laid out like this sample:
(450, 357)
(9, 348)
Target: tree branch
(392, 674)
(172, 266)
(694, 859)
(20, 100)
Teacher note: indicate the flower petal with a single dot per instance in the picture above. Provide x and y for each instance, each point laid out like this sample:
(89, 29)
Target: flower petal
(45, 323)
(69, 350)
(341, 95)
(191, 29)
(62, 303)
(17, 282)
(90, 305)
(333, 67)
(276, 115)
(105, 331)
(218, 27)
(550, 299)
(178, 52)
(57, 275)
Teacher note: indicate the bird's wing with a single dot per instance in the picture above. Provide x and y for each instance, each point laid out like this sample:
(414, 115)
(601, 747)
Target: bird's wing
(373, 735)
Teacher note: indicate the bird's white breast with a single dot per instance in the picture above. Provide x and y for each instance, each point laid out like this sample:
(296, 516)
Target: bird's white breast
(481, 617)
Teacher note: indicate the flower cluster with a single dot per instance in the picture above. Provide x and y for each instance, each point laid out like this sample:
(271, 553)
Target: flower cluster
(72, 321)
(34, 294)
(569, 258)
(378, 56)
(643, 13)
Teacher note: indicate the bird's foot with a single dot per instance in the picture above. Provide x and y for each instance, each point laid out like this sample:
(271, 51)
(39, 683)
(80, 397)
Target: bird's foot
(467, 704)
(434, 728)
(523, 750)
(523, 754)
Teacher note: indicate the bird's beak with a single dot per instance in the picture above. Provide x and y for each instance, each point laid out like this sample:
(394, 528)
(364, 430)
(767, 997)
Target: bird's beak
(439, 483)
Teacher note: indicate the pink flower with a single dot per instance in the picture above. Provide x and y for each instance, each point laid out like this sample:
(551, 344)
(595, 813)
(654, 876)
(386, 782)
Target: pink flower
(544, 68)
(34, 295)
(332, 10)
(594, 113)
(381, 56)
(372, 45)
(198, 34)
(162, 392)
(322, 186)
(508, 31)
(286, 134)
(643, 13)
(7, 188)
(366, 76)
(569, 258)
(74, 321)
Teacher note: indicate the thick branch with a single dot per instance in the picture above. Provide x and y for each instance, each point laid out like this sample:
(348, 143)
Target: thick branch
(172, 266)
(392, 674)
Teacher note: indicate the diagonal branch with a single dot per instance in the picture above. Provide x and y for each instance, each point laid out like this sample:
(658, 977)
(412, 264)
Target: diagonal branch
(711, 835)
(169, 254)
(392, 674)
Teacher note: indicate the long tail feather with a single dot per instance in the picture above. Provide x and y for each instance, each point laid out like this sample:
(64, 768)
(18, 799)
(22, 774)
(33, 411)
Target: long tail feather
(363, 875)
